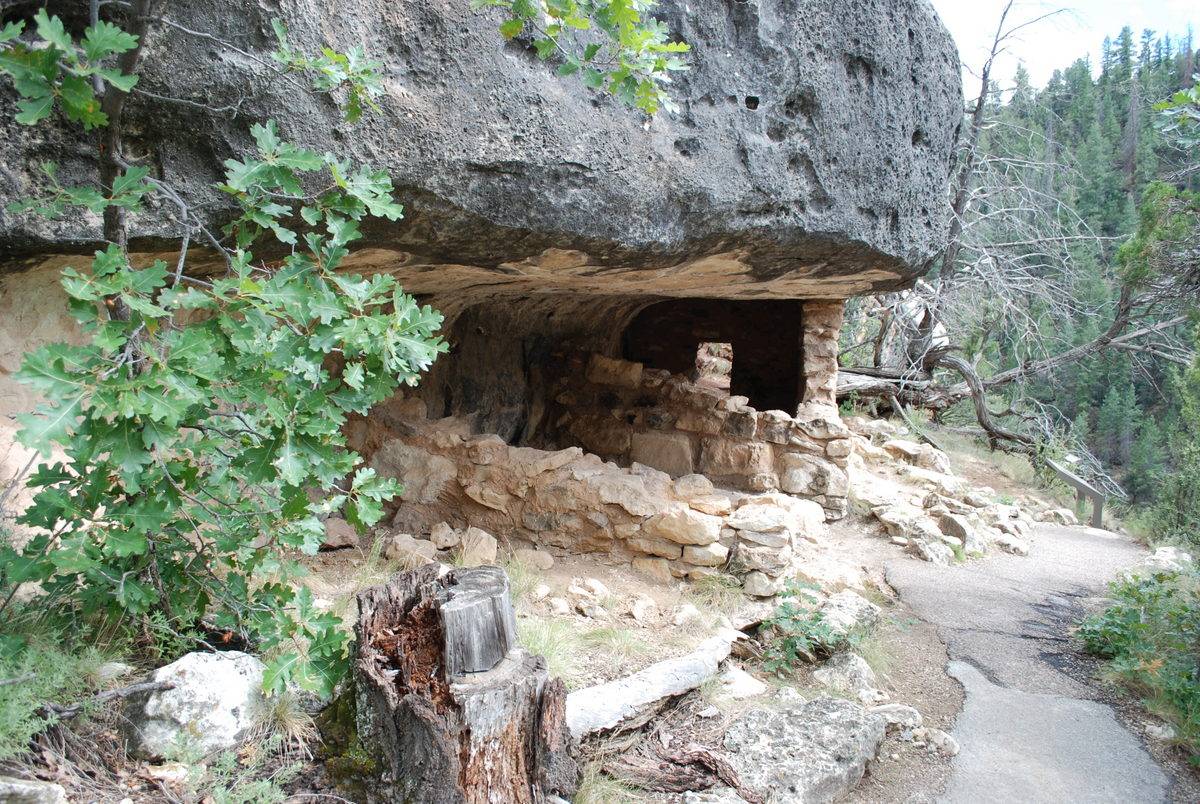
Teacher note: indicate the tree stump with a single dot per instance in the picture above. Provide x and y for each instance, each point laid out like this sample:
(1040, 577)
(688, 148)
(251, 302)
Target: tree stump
(449, 706)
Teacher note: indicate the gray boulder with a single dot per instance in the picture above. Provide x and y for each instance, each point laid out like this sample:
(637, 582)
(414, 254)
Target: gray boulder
(899, 717)
(811, 148)
(214, 704)
(804, 752)
(24, 791)
(935, 552)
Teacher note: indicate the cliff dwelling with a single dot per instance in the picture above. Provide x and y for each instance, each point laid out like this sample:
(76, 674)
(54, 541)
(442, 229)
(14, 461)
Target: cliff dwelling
(439, 402)
(593, 271)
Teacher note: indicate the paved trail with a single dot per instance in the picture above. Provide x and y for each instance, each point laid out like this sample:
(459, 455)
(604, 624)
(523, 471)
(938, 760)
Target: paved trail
(1028, 731)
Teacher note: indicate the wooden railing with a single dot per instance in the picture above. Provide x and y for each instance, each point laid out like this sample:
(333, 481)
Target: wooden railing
(1083, 492)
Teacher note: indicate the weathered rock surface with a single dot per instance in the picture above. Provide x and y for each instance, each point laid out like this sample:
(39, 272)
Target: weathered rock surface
(898, 716)
(216, 701)
(810, 152)
(737, 685)
(1011, 544)
(849, 673)
(684, 526)
(478, 547)
(1059, 516)
(410, 551)
(847, 612)
(759, 584)
(536, 559)
(804, 752)
(339, 534)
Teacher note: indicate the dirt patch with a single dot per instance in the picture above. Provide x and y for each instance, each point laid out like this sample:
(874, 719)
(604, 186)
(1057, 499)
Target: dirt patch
(910, 660)
(585, 650)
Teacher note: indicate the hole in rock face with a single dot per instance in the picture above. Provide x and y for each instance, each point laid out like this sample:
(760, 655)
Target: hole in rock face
(751, 102)
(757, 345)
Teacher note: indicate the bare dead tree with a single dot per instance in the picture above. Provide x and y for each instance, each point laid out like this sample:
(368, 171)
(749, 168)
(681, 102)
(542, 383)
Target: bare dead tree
(1009, 269)
(970, 146)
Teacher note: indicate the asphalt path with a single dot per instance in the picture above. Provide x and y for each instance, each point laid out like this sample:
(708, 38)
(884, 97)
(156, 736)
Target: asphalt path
(1031, 730)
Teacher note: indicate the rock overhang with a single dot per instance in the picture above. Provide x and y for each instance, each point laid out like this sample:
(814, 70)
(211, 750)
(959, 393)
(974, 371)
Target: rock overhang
(808, 159)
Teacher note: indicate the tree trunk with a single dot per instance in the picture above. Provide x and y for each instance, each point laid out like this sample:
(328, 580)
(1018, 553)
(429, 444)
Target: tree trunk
(449, 706)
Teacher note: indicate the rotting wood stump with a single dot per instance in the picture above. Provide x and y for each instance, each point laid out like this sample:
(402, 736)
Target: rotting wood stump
(452, 709)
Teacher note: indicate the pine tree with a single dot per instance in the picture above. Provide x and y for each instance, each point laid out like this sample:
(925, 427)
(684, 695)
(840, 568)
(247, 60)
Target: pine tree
(1115, 425)
(1145, 462)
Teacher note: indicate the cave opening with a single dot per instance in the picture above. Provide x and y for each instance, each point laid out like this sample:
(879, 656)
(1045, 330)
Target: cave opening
(764, 338)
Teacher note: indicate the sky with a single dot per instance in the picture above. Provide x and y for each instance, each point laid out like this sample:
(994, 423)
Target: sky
(1055, 43)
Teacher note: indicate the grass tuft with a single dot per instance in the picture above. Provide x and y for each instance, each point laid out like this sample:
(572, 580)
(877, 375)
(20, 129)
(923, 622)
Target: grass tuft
(522, 578)
(285, 716)
(716, 595)
(556, 640)
(621, 643)
(597, 787)
(873, 649)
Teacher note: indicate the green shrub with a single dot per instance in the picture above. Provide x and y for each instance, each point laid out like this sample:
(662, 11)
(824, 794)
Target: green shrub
(1150, 636)
(252, 776)
(1175, 515)
(799, 633)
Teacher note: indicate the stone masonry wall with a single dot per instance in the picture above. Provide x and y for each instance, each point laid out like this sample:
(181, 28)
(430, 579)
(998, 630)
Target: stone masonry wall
(570, 502)
(820, 328)
(629, 414)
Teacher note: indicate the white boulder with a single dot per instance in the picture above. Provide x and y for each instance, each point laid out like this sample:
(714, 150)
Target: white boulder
(215, 702)
(898, 716)
(804, 752)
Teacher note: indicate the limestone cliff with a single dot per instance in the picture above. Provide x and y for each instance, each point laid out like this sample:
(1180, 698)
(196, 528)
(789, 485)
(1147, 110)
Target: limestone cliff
(809, 158)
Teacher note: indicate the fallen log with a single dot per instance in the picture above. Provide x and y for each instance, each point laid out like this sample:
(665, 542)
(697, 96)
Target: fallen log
(919, 390)
(626, 701)
(690, 768)
(450, 707)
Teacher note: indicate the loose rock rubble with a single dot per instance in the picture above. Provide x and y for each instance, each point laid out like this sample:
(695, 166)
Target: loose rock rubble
(935, 740)
(1059, 516)
(949, 521)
